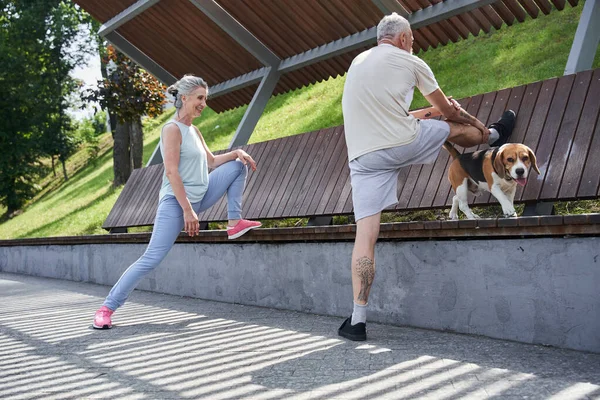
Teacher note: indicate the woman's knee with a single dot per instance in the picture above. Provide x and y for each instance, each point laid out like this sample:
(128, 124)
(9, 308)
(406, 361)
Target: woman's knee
(241, 167)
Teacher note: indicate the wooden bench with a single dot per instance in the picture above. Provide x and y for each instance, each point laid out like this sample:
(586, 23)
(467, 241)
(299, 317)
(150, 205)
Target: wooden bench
(307, 175)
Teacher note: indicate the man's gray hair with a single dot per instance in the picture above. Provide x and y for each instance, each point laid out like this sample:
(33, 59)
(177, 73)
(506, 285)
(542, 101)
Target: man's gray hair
(391, 25)
(185, 85)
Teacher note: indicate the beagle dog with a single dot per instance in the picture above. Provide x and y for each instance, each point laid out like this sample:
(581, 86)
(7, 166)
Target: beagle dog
(497, 170)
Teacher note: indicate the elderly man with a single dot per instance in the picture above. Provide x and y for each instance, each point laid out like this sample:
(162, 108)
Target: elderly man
(382, 137)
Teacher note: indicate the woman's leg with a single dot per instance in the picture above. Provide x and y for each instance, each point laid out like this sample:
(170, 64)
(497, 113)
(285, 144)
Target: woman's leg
(231, 178)
(167, 226)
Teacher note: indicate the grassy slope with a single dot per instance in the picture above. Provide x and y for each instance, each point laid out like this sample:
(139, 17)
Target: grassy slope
(535, 50)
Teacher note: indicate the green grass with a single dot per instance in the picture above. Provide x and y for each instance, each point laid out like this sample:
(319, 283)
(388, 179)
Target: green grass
(532, 51)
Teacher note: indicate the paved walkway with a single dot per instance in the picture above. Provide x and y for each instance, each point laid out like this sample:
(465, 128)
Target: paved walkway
(168, 347)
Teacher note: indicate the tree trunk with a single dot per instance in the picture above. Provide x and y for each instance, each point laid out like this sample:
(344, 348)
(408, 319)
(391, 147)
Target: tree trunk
(136, 142)
(112, 118)
(121, 157)
(64, 168)
(53, 168)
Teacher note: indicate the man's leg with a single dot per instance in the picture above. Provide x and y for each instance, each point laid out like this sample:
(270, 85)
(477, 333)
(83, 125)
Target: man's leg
(469, 136)
(363, 274)
(363, 257)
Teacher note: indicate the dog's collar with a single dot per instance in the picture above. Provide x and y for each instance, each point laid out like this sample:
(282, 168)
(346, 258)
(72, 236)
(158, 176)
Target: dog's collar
(507, 176)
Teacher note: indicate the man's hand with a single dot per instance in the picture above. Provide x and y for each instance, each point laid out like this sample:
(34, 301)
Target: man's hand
(455, 103)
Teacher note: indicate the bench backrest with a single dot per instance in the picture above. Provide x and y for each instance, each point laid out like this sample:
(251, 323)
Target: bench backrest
(307, 175)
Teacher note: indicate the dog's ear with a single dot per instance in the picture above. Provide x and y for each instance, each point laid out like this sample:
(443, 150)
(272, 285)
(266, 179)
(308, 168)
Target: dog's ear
(533, 160)
(499, 164)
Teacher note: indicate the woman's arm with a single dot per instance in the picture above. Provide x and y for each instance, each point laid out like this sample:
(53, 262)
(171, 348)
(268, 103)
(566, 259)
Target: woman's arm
(171, 140)
(214, 161)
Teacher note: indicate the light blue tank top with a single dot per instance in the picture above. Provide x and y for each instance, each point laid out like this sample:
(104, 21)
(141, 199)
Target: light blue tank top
(193, 167)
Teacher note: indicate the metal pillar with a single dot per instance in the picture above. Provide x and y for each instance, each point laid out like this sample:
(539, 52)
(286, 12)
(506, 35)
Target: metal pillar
(587, 36)
(255, 108)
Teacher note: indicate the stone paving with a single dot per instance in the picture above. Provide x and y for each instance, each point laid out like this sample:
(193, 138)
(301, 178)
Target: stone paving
(169, 347)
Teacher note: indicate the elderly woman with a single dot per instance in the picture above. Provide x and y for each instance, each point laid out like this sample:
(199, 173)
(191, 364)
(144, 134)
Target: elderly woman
(187, 189)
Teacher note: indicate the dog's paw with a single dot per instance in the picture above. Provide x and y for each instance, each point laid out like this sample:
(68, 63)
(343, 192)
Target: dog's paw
(453, 216)
(510, 215)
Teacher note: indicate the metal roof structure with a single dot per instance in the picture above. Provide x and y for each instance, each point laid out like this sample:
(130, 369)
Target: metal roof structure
(248, 50)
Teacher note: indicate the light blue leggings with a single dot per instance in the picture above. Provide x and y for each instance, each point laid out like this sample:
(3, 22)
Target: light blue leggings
(229, 177)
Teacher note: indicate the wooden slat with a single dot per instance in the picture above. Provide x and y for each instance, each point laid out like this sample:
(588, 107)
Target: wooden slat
(268, 159)
(492, 16)
(481, 20)
(580, 147)
(429, 36)
(338, 161)
(147, 210)
(564, 140)
(333, 193)
(271, 177)
(450, 31)
(311, 159)
(285, 158)
(530, 7)
(516, 9)
(544, 5)
(422, 181)
(590, 180)
(322, 172)
(460, 27)
(135, 201)
(315, 170)
(409, 186)
(299, 165)
(559, 4)
(531, 135)
(504, 13)
(114, 216)
(548, 137)
(299, 144)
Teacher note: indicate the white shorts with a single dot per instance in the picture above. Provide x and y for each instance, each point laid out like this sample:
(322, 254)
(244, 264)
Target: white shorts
(374, 176)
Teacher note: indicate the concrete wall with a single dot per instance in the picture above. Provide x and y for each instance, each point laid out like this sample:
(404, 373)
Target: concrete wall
(542, 290)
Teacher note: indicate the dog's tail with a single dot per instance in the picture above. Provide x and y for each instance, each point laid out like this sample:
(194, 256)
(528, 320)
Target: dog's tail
(450, 148)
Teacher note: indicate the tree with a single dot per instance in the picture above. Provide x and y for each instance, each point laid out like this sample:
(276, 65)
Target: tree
(34, 67)
(130, 92)
(64, 53)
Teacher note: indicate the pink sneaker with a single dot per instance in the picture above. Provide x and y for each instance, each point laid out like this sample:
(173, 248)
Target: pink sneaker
(241, 227)
(102, 318)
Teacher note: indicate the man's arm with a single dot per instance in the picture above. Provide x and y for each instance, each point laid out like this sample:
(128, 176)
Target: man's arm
(438, 100)
(432, 112)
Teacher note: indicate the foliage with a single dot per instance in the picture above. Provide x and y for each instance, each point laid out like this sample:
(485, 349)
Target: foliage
(34, 75)
(129, 91)
(89, 131)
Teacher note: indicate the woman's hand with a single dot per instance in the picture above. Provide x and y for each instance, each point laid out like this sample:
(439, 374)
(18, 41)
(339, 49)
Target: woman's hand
(245, 158)
(191, 224)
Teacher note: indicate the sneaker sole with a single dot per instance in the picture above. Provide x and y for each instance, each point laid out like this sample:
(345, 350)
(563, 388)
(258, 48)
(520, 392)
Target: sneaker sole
(355, 338)
(240, 233)
(101, 327)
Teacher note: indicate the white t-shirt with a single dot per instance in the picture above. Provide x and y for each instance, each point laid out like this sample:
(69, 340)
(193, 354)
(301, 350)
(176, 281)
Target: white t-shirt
(377, 95)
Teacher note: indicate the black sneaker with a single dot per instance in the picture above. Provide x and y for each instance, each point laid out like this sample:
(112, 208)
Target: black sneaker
(504, 126)
(356, 332)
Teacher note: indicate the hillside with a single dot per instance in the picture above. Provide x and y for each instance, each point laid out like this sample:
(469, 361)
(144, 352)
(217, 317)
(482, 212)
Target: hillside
(524, 53)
